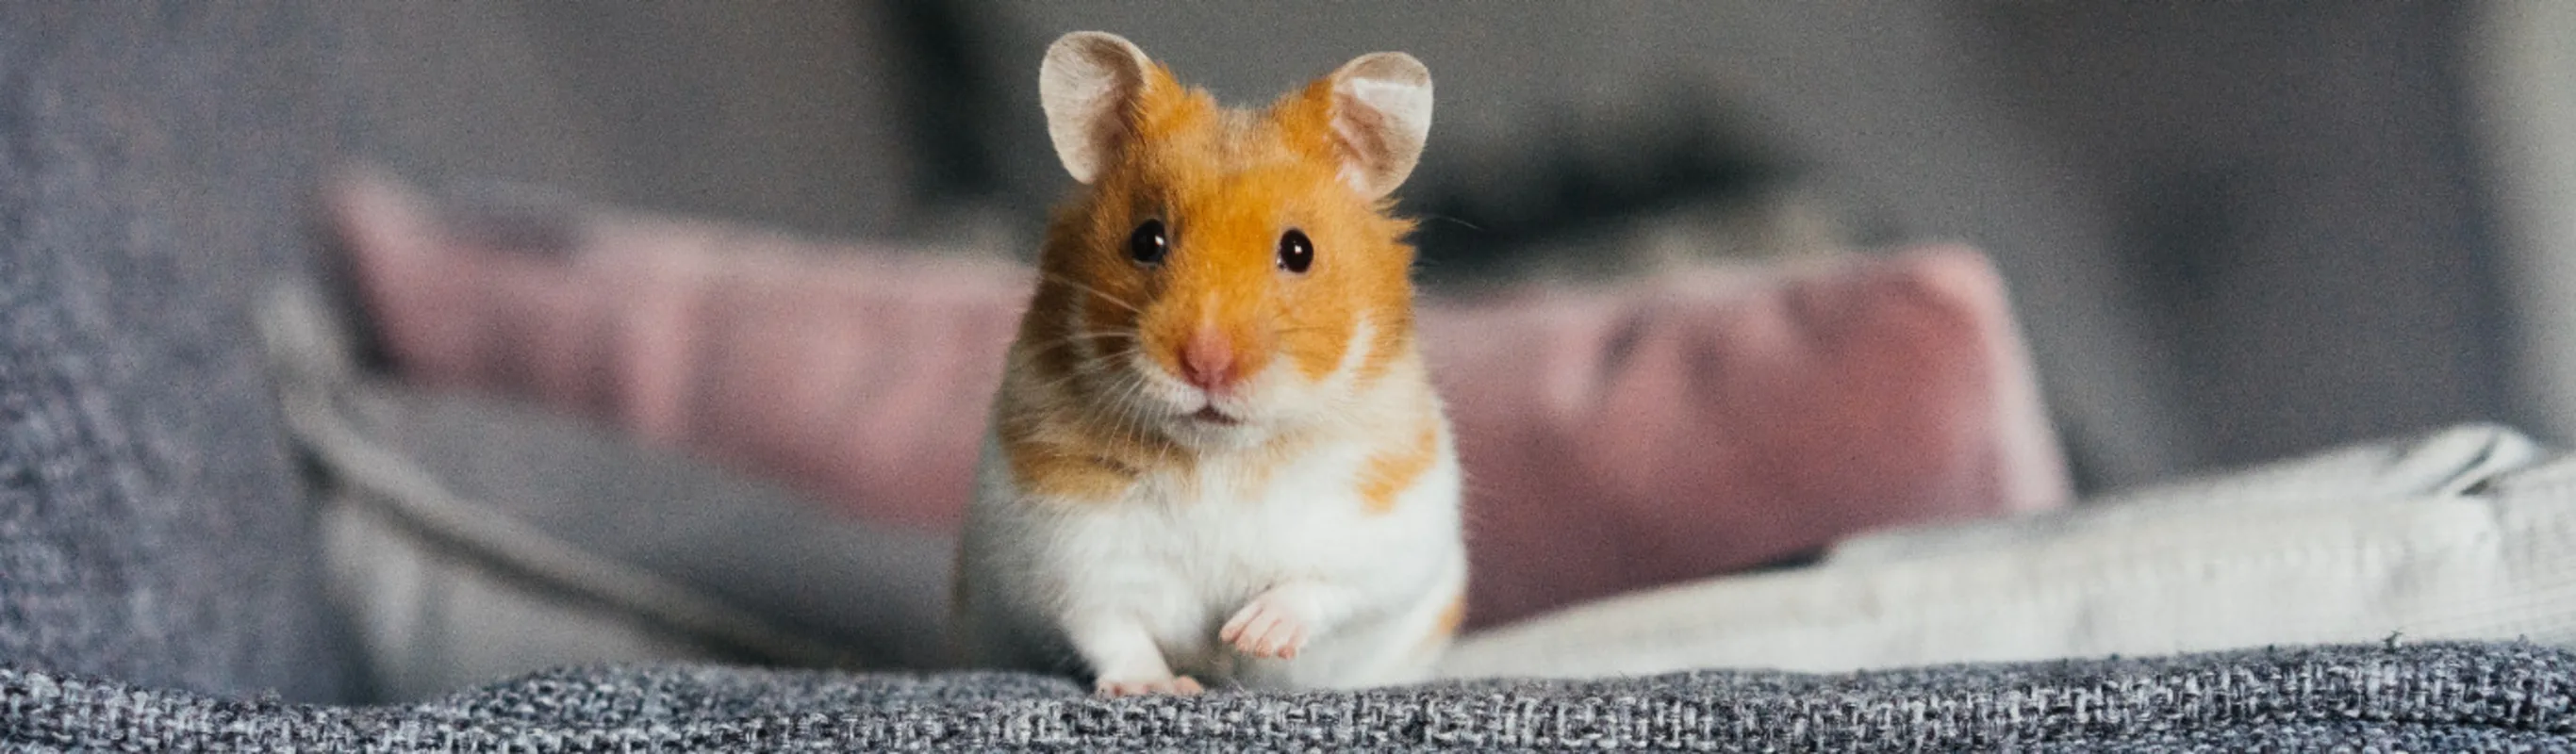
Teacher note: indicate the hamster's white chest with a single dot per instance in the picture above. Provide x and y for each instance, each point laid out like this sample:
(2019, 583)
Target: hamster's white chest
(1180, 553)
(1190, 549)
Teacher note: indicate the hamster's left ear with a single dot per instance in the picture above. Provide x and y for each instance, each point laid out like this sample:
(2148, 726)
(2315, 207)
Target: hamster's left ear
(1381, 113)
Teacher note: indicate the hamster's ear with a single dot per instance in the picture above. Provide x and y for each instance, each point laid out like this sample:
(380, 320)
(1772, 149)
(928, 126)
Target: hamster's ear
(1381, 114)
(1088, 86)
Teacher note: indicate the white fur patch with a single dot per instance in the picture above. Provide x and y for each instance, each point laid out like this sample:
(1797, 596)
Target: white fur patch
(1184, 550)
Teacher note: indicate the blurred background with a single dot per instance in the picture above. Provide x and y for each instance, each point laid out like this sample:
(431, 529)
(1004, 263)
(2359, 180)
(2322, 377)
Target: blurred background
(2234, 231)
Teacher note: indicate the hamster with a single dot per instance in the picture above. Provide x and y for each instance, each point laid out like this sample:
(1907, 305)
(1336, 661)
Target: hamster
(1216, 458)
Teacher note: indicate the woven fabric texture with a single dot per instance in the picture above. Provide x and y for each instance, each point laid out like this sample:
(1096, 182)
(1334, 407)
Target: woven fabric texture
(151, 528)
(2433, 697)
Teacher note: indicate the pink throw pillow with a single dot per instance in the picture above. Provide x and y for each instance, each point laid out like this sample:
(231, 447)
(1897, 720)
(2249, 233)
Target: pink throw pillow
(1712, 421)
(1613, 439)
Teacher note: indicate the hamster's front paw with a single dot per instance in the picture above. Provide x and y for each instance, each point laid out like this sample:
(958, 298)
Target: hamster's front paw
(1271, 627)
(1171, 685)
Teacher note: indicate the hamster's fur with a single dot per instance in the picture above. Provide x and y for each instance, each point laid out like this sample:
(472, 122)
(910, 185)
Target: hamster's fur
(1216, 458)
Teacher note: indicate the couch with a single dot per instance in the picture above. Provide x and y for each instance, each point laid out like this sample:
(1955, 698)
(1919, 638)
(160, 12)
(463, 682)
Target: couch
(163, 585)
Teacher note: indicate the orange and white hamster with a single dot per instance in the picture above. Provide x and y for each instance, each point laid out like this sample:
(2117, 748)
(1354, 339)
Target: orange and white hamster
(1216, 457)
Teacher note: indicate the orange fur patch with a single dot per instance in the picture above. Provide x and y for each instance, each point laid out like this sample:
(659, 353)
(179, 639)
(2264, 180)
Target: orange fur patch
(1391, 471)
(1227, 184)
(1057, 473)
(1450, 619)
(1059, 448)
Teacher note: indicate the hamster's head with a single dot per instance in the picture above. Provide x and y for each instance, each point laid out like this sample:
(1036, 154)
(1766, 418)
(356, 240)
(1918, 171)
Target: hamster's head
(1224, 275)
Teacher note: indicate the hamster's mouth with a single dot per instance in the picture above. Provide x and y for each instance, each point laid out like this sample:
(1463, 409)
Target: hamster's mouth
(1208, 414)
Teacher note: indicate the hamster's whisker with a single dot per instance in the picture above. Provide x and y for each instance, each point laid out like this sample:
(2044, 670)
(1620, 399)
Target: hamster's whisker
(1103, 295)
(1055, 385)
(1081, 369)
(1126, 411)
(1162, 450)
(1094, 336)
(1434, 217)
(1077, 338)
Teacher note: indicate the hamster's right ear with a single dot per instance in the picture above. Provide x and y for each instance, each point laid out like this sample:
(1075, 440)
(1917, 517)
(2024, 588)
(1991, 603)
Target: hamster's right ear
(1089, 84)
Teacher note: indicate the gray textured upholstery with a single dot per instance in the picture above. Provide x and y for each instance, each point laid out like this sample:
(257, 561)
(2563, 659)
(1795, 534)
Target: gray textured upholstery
(151, 526)
(2413, 698)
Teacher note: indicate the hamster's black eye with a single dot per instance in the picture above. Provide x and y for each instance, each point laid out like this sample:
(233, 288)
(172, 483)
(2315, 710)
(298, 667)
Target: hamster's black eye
(1295, 252)
(1148, 244)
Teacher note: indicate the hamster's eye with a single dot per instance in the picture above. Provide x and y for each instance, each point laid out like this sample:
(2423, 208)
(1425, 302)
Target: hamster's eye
(1148, 244)
(1295, 252)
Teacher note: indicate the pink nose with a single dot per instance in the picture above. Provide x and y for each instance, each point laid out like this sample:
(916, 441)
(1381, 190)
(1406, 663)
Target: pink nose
(1207, 361)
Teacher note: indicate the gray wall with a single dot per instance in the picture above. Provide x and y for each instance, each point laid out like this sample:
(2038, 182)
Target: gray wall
(2234, 231)
(2291, 196)
(777, 113)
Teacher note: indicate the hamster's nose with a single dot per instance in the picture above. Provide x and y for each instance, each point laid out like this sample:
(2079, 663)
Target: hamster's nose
(1208, 360)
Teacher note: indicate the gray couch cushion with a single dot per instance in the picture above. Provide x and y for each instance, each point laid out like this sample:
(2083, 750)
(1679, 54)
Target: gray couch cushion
(2454, 535)
(152, 163)
(472, 538)
(2411, 698)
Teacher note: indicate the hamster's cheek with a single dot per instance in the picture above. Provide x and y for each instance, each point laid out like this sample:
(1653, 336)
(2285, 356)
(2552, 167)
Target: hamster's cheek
(1287, 397)
(1156, 386)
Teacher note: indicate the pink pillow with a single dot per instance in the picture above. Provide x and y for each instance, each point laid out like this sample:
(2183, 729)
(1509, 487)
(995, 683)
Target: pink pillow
(1613, 439)
(1710, 421)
